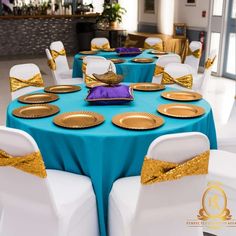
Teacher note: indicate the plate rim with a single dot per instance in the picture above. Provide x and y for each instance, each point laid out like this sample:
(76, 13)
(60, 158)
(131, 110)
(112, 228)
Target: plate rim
(137, 128)
(184, 100)
(135, 60)
(161, 85)
(20, 99)
(76, 88)
(77, 112)
(57, 110)
(202, 110)
(83, 52)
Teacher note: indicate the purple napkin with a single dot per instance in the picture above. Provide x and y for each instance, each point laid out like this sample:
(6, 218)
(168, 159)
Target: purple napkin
(110, 95)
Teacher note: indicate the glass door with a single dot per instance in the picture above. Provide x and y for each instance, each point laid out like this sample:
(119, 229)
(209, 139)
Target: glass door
(229, 66)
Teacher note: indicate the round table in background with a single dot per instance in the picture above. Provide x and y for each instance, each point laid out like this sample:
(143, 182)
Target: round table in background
(106, 152)
(132, 71)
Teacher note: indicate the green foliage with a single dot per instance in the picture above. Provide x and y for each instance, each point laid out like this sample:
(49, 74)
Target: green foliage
(113, 12)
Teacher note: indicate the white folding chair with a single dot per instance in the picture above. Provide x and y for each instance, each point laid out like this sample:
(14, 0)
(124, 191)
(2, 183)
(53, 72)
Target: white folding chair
(99, 43)
(178, 70)
(61, 72)
(60, 204)
(98, 68)
(161, 208)
(194, 55)
(89, 59)
(25, 78)
(153, 43)
(161, 63)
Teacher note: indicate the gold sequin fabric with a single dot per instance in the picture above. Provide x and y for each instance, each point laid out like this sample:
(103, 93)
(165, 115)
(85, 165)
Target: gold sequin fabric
(17, 83)
(197, 53)
(31, 163)
(95, 47)
(184, 81)
(209, 62)
(158, 70)
(55, 54)
(157, 46)
(52, 64)
(154, 171)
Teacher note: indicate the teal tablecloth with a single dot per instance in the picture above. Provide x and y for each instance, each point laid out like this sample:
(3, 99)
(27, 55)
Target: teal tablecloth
(132, 71)
(106, 152)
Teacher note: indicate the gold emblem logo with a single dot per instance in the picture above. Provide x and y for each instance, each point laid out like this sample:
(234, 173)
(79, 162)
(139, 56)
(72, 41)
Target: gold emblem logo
(214, 204)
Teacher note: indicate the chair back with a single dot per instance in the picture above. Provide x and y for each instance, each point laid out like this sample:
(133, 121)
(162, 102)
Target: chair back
(164, 207)
(49, 57)
(193, 60)
(99, 68)
(24, 72)
(99, 43)
(21, 187)
(60, 60)
(153, 43)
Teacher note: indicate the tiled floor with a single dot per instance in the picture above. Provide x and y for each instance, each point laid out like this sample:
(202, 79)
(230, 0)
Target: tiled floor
(220, 92)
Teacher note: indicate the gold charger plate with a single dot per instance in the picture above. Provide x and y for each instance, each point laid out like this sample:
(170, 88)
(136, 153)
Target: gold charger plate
(108, 50)
(137, 121)
(181, 95)
(147, 86)
(143, 60)
(181, 110)
(36, 111)
(117, 60)
(62, 89)
(78, 119)
(156, 52)
(88, 52)
(38, 98)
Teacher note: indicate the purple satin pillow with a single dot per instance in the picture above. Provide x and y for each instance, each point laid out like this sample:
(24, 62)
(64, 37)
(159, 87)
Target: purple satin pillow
(110, 95)
(128, 51)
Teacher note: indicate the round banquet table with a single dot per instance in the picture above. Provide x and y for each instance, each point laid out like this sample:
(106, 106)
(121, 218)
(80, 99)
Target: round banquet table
(132, 71)
(105, 152)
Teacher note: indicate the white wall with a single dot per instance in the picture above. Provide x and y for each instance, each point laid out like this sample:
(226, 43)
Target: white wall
(147, 17)
(190, 15)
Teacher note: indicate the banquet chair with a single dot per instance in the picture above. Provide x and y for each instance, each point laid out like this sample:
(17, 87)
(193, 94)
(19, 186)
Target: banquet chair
(194, 55)
(160, 208)
(204, 79)
(161, 63)
(25, 78)
(89, 59)
(98, 68)
(99, 43)
(35, 201)
(153, 43)
(58, 64)
(180, 76)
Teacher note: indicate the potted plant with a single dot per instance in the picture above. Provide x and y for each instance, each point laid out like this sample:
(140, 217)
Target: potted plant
(113, 13)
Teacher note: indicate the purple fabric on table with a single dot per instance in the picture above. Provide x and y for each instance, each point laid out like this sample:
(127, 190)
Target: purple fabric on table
(128, 52)
(110, 95)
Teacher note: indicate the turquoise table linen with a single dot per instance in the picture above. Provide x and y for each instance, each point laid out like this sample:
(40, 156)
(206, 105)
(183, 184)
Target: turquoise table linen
(132, 71)
(105, 153)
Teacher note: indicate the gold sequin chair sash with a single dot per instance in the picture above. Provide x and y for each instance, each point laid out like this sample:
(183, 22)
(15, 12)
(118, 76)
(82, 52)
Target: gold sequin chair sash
(158, 70)
(197, 53)
(55, 54)
(84, 66)
(90, 79)
(209, 62)
(157, 46)
(95, 47)
(154, 171)
(184, 81)
(31, 163)
(17, 83)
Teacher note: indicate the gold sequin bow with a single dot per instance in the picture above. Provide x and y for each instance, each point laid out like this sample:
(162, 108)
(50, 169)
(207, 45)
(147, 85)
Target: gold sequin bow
(197, 53)
(154, 171)
(158, 70)
(184, 81)
(95, 47)
(31, 163)
(157, 46)
(16, 83)
(55, 54)
(84, 66)
(209, 62)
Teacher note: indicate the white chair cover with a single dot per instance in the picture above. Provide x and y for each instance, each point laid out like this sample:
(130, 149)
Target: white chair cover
(62, 74)
(177, 70)
(163, 61)
(151, 41)
(99, 42)
(24, 72)
(59, 205)
(192, 60)
(162, 208)
(99, 68)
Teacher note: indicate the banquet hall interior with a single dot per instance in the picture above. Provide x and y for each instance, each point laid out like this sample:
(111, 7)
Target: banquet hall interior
(117, 118)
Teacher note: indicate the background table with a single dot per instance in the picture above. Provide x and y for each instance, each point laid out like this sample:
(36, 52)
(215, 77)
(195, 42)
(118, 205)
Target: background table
(132, 71)
(106, 152)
